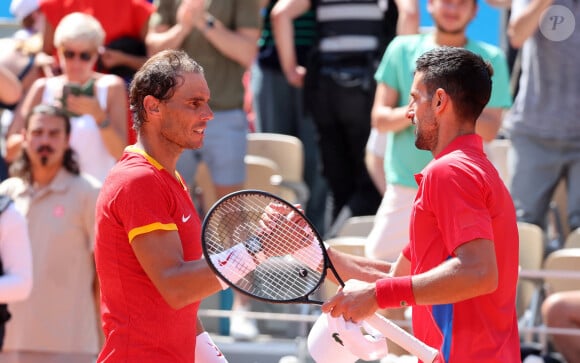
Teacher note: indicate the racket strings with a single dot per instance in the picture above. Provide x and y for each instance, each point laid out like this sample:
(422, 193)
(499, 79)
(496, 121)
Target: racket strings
(295, 263)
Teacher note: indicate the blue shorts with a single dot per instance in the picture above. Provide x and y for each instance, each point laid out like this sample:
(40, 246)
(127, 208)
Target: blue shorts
(223, 150)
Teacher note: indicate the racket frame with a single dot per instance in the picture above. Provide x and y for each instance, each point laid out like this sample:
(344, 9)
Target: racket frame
(327, 264)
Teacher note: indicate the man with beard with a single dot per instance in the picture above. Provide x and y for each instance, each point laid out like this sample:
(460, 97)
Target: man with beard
(394, 77)
(460, 268)
(59, 319)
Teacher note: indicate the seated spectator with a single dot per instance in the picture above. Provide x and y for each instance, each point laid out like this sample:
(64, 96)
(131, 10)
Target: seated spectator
(562, 310)
(97, 102)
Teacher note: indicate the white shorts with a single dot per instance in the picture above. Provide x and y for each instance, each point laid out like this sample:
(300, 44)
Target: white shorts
(390, 233)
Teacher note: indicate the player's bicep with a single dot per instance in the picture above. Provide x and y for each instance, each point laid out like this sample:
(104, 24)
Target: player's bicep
(159, 253)
(478, 261)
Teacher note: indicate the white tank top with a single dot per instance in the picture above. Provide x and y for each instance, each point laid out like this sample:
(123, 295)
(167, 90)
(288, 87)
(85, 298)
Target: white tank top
(93, 157)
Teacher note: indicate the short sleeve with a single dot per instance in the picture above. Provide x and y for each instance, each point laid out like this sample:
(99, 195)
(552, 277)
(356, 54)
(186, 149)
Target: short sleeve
(500, 92)
(386, 71)
(458, 200)
(143, 204)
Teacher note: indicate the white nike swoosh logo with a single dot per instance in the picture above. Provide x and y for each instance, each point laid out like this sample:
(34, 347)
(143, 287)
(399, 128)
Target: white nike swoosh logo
(184, 218)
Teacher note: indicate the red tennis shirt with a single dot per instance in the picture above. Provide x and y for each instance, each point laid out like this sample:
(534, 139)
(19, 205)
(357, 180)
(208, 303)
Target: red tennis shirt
(138, 197)
(461, 198)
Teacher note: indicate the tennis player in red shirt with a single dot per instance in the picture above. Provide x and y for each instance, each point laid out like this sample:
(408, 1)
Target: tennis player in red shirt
(148, 250)
(460, 268)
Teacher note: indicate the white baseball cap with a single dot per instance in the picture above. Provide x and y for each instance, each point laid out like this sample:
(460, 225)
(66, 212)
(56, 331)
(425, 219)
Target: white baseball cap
(338, 341)
(22, 8)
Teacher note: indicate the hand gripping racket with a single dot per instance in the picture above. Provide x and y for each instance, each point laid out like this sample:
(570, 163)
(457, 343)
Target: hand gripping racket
(264, 247)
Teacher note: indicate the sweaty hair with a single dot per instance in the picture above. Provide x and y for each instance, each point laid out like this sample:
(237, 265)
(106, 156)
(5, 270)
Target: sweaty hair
(21, 166)
(159, 77)
(464, 75)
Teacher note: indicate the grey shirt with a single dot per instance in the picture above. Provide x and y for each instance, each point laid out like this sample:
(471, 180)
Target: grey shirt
(548, 101)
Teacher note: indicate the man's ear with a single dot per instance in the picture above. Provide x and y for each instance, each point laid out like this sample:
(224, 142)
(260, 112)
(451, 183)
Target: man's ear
(440, 100)
(151, 105)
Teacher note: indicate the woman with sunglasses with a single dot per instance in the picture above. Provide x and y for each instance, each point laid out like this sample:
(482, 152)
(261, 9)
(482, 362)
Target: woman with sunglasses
(96, 102)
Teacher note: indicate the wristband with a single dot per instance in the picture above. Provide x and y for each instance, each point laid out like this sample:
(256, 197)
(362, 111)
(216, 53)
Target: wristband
(206, 351)
(234, 263)
(394, 292)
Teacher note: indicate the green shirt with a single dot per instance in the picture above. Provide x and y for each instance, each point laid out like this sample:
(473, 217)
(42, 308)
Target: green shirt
(223, 74)
(402, 159)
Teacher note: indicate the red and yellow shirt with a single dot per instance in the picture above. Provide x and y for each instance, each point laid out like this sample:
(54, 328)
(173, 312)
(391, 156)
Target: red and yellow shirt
(138, 197)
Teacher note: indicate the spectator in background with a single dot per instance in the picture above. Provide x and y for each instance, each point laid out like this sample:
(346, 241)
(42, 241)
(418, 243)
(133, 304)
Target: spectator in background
(28, 13)
(562, 310)
(124, 44)
(15, 260)
(11, 88)
(123, 50)
(10, 94)
(221, 35)
(24, 59)
(543, 125)
(60, 316)
(279, 105)
(338, 84)
(97, 102)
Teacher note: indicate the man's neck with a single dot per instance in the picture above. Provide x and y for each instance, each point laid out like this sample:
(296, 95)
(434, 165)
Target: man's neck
(42, 176)
(162, 155)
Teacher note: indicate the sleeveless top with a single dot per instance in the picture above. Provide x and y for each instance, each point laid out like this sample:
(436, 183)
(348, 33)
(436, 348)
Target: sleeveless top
(93, 157)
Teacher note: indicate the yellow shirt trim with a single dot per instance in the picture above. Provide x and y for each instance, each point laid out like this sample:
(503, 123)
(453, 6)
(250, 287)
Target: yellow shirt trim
(155, 163)
(135, 149)
(151, 227)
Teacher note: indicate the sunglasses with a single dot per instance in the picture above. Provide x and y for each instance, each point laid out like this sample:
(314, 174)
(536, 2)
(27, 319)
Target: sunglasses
(71, 54)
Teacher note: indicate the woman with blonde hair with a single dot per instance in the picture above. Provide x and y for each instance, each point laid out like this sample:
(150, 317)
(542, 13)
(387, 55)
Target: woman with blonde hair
(96, 102)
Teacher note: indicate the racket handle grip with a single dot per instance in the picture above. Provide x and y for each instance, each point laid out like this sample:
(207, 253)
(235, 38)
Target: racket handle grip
(399, 336)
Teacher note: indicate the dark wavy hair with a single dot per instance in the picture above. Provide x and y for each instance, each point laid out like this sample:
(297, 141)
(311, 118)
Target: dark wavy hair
(159, 77)
(464, 75)
(21, 167)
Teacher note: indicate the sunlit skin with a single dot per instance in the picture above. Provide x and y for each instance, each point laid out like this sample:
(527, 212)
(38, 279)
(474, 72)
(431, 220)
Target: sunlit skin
(452, 16)
(187, 113)
(45, 142)
(177, 123)
(421, 114)
(77, 70)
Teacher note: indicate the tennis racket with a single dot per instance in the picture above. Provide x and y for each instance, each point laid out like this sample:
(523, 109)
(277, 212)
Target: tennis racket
(264, 247)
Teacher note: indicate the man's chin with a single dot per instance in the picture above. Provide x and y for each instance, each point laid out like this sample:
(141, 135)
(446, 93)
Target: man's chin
(449, 31)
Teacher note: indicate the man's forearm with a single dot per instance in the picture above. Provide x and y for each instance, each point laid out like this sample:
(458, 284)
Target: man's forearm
(165, 38)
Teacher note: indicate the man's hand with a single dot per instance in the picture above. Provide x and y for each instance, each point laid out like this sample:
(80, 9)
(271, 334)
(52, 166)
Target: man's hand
(355, 301)
(279, 221)
(191, 13)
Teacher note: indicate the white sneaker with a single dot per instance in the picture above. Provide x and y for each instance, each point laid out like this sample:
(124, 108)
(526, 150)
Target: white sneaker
(242, 327)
